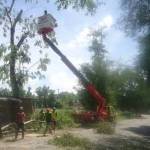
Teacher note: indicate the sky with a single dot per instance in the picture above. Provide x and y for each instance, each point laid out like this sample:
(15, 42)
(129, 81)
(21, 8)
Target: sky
(73, 41)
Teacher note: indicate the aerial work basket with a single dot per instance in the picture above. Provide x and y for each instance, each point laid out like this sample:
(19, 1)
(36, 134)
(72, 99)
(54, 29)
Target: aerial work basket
(46, 24)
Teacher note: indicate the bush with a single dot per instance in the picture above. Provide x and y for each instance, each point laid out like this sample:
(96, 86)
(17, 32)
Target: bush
(65, 119)
(105, 128)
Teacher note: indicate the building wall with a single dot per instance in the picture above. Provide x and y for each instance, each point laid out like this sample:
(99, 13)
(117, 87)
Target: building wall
(10, 106)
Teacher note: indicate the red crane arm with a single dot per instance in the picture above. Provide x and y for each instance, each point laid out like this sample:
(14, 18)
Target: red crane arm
(101, 110)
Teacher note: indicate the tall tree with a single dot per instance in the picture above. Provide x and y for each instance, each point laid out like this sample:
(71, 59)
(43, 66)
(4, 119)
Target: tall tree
(135, 16)
(131, 92)
(97, 71)
(15, 54)
(144, 57)
(46, 96)
(135, 20)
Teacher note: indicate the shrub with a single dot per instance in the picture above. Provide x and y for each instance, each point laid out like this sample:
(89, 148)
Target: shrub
(65, 119)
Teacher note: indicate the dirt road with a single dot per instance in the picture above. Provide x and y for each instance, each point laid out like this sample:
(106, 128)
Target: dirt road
(131, 130)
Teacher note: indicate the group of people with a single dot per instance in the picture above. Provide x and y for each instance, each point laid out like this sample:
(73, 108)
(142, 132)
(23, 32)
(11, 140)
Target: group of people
(47, 116)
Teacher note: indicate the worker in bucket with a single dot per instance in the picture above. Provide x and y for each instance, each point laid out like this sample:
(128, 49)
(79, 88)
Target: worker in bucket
(20, 118)
(46, 24)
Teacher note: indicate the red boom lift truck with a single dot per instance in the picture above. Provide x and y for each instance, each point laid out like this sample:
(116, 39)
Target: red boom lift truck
(46, 25)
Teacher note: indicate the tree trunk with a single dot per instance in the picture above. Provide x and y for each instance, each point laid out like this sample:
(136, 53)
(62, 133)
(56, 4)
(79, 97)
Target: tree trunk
(13, 54)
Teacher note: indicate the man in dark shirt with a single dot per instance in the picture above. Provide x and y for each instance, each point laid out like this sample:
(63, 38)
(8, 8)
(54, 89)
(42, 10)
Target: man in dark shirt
(48, 119)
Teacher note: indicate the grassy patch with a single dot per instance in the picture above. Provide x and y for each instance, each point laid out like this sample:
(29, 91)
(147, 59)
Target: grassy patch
(105, 128)
(68, 140)
(65, 119)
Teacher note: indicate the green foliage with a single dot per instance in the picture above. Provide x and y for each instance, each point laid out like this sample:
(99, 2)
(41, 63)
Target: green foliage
(67, 99)
(97, 71)
(132, 92)
(4, 92)
(15, 54)
(65, 118)
(97, 46)
(97, 75)
(135, 16)
(135, 20)
(46, 97)
(68, 140)
(144, 57)
(89, 5)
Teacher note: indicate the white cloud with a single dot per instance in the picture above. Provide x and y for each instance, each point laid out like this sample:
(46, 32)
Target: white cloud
(106, 22)
(82, 39)
(64, 81)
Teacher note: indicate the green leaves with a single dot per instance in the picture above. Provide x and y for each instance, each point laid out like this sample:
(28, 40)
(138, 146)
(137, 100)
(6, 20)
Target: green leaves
(89, 5)
(144, 57)
(97, 71)
(43, 63)
(15, 57)
(46, 96)
(135, 16)
(97, 45)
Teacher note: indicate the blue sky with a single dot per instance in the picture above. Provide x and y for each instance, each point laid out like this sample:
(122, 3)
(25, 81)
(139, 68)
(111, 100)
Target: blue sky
(71, 33)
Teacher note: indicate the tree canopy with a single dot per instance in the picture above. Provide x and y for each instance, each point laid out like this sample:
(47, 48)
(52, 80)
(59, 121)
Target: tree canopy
(135, 16)
(135, 20)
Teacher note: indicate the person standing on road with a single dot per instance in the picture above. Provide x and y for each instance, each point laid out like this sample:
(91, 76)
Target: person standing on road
(54, 119)
(41, 118)
(48, 119)
(20, 118)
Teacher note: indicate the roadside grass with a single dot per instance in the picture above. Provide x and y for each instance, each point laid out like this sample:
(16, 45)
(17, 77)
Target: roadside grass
(105, 128)
(68, 141)
(102, 127)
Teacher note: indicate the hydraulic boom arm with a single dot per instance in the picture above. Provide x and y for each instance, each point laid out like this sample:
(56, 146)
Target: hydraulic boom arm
(101, 111)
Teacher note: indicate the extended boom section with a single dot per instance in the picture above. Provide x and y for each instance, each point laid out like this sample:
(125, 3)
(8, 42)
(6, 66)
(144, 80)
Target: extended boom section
(101, 109)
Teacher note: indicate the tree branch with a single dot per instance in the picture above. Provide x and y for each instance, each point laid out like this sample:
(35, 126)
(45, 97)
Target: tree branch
(17, 18)
(8, 15)
(11, 6)
(23, 37)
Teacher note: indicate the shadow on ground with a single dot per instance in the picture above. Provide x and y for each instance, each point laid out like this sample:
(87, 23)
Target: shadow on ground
(124, 143)
(142, 130)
